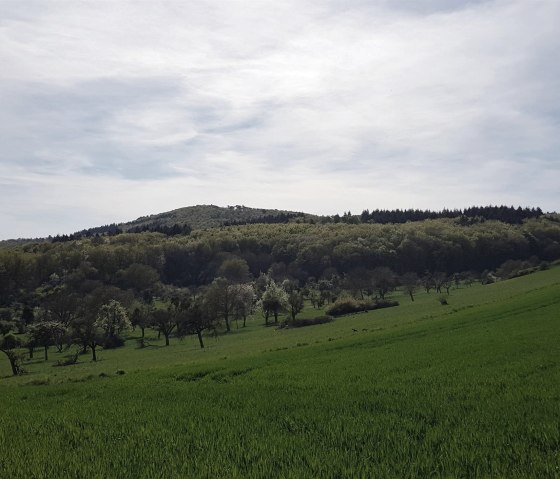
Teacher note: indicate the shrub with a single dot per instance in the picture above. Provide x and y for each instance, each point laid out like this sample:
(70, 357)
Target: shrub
(384, 303)
(300, 323)
(72, 359)
(6, 327)
(112, 342)
(349, 306)
(344, 306)
(142, 343)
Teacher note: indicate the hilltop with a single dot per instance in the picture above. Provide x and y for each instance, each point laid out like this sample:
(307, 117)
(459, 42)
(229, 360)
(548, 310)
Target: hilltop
(211, 216)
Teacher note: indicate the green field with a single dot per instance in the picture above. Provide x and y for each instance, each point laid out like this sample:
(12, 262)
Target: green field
(471, 389)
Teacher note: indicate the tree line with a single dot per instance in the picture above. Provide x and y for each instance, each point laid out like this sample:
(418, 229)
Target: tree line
(506, 214)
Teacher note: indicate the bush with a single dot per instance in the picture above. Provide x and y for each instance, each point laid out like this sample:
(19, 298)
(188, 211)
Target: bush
(113, 342)
(345, 306)
(300, 323)
(69, 361)
(384, 303)
(6, 327)
(349, 306)
(10, 341)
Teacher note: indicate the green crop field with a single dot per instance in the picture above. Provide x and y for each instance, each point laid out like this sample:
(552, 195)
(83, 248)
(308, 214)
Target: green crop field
(471, 389)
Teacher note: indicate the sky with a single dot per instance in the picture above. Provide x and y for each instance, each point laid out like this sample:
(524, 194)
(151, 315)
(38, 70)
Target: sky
(111, 110)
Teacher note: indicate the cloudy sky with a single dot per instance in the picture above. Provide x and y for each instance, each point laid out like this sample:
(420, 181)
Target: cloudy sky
(110, 110)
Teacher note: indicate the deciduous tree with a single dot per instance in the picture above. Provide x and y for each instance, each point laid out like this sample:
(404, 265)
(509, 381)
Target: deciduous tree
(409, 283)
(273, 301)
(112, 318)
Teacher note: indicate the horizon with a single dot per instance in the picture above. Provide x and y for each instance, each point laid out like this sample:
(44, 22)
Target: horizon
(110, 114)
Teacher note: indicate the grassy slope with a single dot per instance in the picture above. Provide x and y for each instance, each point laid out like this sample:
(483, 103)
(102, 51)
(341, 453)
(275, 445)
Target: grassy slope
(467, 390)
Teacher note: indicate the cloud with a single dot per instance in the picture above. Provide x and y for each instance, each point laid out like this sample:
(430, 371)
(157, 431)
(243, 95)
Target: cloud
(129, 108)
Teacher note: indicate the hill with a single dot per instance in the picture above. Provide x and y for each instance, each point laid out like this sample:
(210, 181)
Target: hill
(211, 216)
(180, 221)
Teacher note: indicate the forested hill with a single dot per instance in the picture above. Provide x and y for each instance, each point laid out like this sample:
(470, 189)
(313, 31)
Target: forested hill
(211, 216)
(184, 220)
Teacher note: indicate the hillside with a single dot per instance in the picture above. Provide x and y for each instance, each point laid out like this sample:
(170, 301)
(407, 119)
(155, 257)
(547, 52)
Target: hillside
(464, 390)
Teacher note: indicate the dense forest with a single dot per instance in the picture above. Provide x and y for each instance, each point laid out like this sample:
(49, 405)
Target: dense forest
(198, 280)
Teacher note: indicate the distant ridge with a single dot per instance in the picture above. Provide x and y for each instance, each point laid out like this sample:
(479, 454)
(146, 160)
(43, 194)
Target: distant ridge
(182, 221)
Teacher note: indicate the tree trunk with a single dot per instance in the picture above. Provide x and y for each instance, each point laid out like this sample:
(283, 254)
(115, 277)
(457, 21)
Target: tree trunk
(244, 320)
(199, 334)
(166, 339)
(226, 318)
(275, 317)
(266, 318)
(12, 357)
(411, 296)
(46, 353)
(93, 352)
(31, 351)
(142, 328)
(14, 365)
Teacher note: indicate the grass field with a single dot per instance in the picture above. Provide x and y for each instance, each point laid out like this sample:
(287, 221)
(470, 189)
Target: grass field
(471, 389)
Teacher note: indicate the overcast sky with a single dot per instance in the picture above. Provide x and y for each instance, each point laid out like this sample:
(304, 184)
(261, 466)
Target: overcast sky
(110, 110)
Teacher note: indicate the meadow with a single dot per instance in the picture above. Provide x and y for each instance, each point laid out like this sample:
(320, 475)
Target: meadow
(471, 389)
